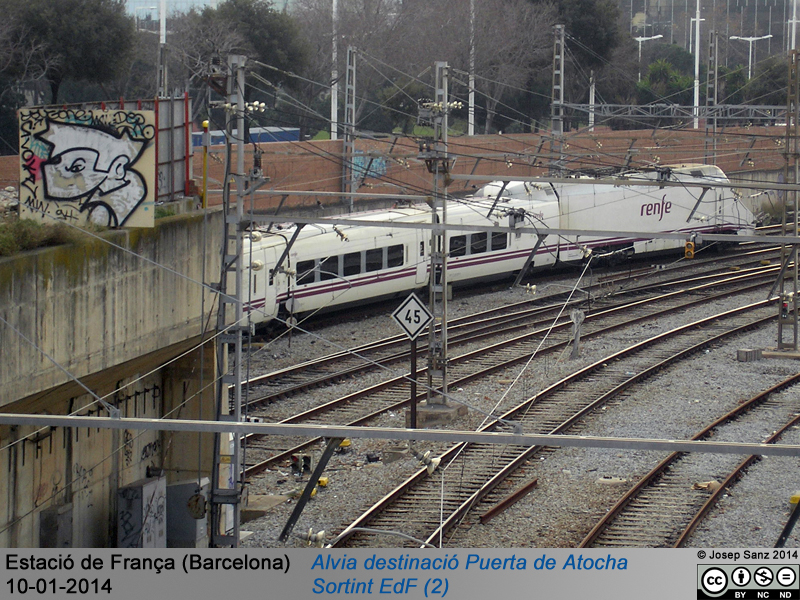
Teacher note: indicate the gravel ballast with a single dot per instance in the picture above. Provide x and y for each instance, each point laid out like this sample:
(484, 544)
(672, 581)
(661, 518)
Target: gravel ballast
(575, 486)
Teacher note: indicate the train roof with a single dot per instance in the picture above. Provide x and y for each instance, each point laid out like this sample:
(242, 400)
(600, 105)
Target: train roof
(696, 170)
(515, 189)
(412, 213)
(535, 191)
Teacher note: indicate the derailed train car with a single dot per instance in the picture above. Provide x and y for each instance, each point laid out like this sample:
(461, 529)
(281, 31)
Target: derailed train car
(330, 266)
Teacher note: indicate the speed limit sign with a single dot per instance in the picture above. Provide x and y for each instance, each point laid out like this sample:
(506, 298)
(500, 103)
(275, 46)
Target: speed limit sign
(413, 316)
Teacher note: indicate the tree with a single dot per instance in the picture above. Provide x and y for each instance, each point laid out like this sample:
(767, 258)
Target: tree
(395, 44)
(268, 36)
(515, 42)
(594, 27)
(398, 42)
(681, 60)
(732, 85)
(22, 59)
(664, 84)
(139, 78)
(199, 46)
(769, 83)
(616, 82)
(202, 40)
(86, 40)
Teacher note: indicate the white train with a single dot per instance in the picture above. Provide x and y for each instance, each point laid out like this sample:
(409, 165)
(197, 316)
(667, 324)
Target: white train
(331, 266)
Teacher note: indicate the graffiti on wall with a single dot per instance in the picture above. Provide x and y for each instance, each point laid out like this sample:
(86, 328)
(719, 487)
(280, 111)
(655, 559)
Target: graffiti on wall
(87, 166)
(142, 515)
(368, 166)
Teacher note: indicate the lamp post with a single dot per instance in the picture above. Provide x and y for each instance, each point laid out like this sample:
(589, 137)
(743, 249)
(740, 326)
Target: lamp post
(640, 40)
(149, 9)
(334, 72)
(162, 49)
(751, 40)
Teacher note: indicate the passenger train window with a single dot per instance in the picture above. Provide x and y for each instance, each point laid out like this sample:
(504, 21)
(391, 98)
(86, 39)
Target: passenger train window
(305, 272)
(395, 255)
(374, 259)
(351, 264)
(499, 240)
(458, 245)
(328, 268)
(477, 243)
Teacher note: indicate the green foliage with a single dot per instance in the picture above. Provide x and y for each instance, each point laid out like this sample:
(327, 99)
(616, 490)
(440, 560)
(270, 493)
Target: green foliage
(8, 245)
(680, 60)
(664, 83)
(402, 106)
(164, 211)
(769, 83)
(10, 101)
(87, 40)
(270, 36)
(732, 85)
(595, 26)
(26, 234)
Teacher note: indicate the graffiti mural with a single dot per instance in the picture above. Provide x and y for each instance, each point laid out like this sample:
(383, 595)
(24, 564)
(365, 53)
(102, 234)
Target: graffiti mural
(368, 166)
(87, 166)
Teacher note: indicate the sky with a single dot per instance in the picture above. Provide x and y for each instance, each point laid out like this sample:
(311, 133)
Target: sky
(142, 8)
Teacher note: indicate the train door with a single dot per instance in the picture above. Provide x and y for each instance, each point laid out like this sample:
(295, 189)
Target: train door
(274, 281)
(262, 298)
(419, 256)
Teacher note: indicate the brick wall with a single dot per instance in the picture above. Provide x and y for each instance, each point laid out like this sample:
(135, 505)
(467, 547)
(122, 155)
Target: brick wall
(9, 171)
(317, 165)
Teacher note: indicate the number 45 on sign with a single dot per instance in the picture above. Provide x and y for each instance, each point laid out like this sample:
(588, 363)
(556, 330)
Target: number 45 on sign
(412, 316)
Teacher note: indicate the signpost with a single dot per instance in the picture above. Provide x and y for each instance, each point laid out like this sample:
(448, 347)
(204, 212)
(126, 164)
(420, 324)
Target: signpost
(413, 317)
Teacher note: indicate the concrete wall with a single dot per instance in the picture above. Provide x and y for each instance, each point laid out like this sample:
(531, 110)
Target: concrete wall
(124, 315)
(102, 302)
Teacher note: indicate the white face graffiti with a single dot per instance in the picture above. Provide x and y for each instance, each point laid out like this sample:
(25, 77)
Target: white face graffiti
(73, 174)
(93, 167)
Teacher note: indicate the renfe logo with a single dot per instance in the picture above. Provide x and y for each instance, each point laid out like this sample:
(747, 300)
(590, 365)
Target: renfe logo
(656, 208)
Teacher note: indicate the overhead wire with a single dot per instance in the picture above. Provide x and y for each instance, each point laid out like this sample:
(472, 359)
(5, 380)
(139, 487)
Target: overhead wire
(507, 391)
(612, 157)
(168, 269)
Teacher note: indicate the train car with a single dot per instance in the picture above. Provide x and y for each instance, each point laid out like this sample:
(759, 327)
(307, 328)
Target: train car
(329, 266)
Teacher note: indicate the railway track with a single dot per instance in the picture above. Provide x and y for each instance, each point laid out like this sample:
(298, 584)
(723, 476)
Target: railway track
(427, 510)
(276, 386)
(665, 506)
(364, 406)
(501, 321)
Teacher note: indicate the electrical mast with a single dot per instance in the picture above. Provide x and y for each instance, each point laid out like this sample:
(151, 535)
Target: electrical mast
(228, 471)
(348, 173)
(712, 80)
(696, 109)
(787, 317)
(334, 72)
(557, 104)
(437, 161)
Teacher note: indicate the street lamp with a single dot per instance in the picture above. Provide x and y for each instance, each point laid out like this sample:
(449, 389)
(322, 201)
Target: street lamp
(149, 9)
(640, 40)
(162, 49)
(752, 40)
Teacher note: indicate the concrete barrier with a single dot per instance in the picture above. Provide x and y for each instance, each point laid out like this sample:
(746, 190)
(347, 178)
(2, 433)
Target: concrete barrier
(104, 301)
